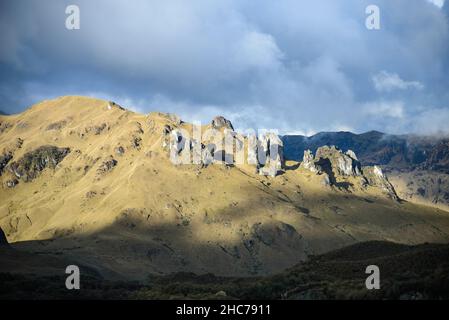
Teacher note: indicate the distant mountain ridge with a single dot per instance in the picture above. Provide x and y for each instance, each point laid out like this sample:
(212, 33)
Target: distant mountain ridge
(377, 148)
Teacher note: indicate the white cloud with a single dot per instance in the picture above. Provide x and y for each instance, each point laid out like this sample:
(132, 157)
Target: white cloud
(384, 109)
(429, 121)
(300, 133)
(385, 81)
(438, 3)
(257, 50)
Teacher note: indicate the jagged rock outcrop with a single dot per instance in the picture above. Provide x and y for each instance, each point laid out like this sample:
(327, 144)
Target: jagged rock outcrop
(345, 164)
(225, 147)
(336, 167)
(32, 163)
(308, 162)
(375, 177)
(221, 122)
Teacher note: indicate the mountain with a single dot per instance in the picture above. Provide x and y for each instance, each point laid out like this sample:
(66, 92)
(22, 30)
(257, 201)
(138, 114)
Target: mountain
(418, 167)
(87, 181)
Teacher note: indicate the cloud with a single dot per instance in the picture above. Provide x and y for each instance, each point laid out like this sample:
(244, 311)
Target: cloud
(438, 3)
(384, 81)
(390, 109)
(437, 117)
(298, 66)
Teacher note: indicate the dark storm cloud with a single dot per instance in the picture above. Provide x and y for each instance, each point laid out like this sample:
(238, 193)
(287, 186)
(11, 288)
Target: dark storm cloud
(300, 66)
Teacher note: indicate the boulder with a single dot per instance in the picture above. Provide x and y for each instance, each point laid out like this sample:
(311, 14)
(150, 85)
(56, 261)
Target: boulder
(119, 150)
(11, 183)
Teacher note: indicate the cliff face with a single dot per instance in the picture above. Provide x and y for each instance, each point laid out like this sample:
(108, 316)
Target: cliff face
(95, 183)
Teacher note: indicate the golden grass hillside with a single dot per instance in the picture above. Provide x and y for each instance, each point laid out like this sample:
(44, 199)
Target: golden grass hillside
(115, 203)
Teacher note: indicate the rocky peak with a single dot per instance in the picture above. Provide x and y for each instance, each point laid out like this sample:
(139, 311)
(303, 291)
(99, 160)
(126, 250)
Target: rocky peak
(336, 166)
(345, 164)
(221, 122)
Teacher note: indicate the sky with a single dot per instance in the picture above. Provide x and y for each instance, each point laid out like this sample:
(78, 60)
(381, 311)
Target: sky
(299, 67)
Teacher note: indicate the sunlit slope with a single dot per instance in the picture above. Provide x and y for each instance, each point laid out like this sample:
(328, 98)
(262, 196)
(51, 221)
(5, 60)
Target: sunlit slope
(115, 202)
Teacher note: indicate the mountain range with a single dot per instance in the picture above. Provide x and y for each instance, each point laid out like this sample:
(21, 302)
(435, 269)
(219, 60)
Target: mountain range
(89, 182)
